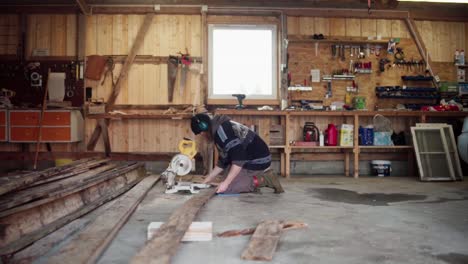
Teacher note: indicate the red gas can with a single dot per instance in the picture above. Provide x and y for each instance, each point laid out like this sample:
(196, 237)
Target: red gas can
(331, 135)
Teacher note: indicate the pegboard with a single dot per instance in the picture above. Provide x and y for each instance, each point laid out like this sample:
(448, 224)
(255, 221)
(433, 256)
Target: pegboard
(29, 80)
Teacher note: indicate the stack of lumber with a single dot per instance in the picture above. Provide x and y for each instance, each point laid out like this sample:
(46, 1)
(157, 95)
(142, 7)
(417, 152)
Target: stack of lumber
(36, 204)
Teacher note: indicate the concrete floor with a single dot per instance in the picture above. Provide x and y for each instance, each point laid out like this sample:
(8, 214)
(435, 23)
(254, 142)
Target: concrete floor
(366, 220)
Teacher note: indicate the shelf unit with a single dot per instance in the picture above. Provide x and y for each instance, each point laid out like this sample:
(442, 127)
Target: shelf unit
(336, 40)
(339, 152)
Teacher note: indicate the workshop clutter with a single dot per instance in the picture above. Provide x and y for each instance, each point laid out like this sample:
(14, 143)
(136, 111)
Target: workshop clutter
(310, 132)
(345, 133)
(331, 135)
(95, 67)
(276, 135)
(382, 131)
(366, 136)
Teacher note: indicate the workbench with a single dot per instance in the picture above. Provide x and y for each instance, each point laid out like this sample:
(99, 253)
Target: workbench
(293, 120)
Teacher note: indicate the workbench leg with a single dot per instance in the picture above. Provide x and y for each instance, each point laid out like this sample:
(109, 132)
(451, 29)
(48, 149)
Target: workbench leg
(346, 165)
(411, 163)
(282, 164)
(356, 146)
(287, 163)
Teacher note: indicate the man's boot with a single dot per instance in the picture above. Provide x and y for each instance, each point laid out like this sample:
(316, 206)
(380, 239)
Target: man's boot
(268, 179)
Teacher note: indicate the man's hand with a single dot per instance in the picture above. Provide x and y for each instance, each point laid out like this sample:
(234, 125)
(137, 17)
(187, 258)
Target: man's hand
(206, 180)
(222, 187)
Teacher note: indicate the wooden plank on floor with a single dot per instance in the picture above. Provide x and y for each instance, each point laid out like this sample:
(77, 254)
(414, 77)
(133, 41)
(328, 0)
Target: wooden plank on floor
(263, 243)
(11, 183)
(198, 231)
(45, 244)
(286, 225)
(165, 242)
(11, 245)
(88, 246)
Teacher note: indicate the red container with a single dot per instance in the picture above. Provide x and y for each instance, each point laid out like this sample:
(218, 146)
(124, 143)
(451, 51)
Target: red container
(331, 135)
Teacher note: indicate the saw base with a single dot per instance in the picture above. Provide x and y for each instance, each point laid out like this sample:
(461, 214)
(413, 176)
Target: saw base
(187, 186)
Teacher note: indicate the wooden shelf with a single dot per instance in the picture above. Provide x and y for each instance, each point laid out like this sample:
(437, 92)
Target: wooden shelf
(277, 147)
(335, 40)
(319, 147)
(385, 147)
(140, 116)
(250, 112)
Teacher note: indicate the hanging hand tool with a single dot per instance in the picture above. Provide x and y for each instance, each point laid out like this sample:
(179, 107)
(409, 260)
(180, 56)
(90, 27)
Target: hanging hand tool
(342, 53)
(185, 62)
(333, 50)
(172, 65)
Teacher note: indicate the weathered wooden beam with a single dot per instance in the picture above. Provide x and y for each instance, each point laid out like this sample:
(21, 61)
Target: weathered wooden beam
(44, 245)
(90, 243)
(105, 136)
(84, 7)
(53, 193)
(122, 76)
(35, 224)
(136, 156)
(263, 243)
(411, 25)
(164, 244)
(11, 183)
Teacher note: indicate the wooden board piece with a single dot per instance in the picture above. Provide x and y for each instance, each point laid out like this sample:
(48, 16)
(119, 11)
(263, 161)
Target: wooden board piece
(263, 243)
(286, 225)
(165, 242)
(197, 231)
(88, 246)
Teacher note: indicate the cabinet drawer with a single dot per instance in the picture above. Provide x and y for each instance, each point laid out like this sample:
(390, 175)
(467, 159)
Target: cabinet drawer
(24, 118)
(49, 134)
(56, 119)
(2, 118)
(3, 133)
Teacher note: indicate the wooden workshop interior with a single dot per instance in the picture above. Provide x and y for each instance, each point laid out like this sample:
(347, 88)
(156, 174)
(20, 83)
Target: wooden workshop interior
(96, 101)
(130, 112)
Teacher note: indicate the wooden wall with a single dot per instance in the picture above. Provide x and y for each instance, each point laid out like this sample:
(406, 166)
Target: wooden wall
(58, 33)
(146, 83)
(9, 34)
(442, 38)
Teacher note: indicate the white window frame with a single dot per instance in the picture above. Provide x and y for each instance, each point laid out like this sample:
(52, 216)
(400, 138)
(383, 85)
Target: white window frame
(274, 66)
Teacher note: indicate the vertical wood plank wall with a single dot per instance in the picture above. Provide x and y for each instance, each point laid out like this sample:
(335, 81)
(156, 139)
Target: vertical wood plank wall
(146, 83)
(9, 34)
(169, 34)
(57, 33)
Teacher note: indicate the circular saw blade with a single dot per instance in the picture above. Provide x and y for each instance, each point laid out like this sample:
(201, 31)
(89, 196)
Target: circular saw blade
(181, 164)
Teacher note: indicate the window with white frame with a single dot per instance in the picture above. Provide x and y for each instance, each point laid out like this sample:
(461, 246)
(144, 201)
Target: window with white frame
(242, 60)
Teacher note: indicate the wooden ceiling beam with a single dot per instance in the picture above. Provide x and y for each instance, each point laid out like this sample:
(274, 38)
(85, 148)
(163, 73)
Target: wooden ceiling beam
(84, 7)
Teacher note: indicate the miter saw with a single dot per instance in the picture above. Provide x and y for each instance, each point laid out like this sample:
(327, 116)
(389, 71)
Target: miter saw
(180, 165)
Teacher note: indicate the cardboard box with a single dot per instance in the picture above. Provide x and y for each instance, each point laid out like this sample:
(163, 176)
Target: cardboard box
(276, 135)
(346, 135)
(94, 109)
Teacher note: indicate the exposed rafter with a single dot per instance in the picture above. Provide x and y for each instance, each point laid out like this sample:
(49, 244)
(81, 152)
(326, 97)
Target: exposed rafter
(85, 8)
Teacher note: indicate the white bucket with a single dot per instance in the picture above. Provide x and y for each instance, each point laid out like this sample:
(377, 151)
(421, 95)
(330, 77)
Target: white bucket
(381, 168)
